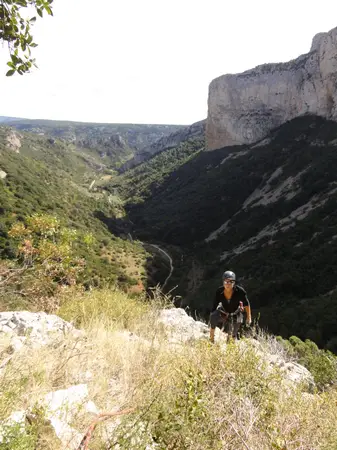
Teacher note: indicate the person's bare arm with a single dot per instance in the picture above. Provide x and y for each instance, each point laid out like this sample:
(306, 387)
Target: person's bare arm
(248, 311)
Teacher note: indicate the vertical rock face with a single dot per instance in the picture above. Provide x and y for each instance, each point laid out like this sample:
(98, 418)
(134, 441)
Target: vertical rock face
(13, 141)
(243, 108)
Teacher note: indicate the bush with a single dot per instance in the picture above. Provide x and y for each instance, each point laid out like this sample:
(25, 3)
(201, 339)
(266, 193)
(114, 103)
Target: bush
(46, 260)
(321, 363)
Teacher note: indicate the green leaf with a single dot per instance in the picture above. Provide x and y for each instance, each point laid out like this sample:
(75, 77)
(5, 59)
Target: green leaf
(48, 9)
(15, 59)
(16, 28)
(10, 73)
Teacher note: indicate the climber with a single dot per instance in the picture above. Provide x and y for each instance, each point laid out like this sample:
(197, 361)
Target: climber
(229, 306)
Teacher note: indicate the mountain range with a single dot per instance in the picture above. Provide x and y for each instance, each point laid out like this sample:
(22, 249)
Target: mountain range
(113, 143)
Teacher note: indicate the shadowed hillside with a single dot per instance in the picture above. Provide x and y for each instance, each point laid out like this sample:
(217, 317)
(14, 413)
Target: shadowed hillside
(268, 211)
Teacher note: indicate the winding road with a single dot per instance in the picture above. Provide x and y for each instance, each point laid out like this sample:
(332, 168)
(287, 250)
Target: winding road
(170, 261)
(149, 245)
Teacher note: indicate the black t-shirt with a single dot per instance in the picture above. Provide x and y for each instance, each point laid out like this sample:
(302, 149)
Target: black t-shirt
(231, 305)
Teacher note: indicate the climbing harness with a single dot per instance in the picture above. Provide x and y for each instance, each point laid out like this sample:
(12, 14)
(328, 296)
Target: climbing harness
(237, 312)
(229, 317)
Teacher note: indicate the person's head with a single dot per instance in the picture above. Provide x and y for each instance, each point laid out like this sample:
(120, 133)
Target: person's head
(228, 279)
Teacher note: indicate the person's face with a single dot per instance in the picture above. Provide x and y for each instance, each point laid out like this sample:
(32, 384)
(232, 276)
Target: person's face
(228, 284)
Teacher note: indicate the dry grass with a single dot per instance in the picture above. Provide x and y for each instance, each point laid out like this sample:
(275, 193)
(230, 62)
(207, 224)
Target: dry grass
(191, 396)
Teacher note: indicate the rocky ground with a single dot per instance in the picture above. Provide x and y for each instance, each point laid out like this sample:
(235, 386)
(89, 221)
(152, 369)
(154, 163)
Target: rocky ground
(22, 332)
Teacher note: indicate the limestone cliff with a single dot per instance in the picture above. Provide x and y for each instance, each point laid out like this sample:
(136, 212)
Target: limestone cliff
(13, 141)
(243, 108)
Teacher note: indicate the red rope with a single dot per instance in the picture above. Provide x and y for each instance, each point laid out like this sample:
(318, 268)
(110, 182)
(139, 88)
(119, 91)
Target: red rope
(100, 418)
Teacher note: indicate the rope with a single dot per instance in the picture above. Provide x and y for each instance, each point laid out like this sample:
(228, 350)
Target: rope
(100, 418)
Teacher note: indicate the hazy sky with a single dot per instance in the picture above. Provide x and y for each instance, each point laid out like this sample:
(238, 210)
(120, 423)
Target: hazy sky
(151, 61)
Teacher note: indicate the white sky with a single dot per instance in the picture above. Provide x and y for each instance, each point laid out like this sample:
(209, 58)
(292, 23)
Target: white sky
(151, 61)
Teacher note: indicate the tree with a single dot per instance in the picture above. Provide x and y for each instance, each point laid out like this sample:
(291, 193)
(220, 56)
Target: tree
(46, 259)
(15, 29)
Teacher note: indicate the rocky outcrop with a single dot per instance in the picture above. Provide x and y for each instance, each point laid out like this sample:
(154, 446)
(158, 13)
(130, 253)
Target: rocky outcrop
(193, 131)
(3, 174)
(26, 329)
(107, 145)
(65, 410)
(13, 141)
(243, 108)
(292, 372)
(34, 330)
(181, 328)
(21, 332)
(61, 408)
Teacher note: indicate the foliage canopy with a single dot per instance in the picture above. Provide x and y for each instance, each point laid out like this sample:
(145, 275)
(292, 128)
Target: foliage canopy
(15, 29)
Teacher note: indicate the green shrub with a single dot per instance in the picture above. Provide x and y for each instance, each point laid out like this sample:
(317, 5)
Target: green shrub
(321, 363)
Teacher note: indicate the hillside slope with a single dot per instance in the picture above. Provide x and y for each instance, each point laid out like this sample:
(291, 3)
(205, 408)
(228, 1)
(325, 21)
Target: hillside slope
(173, 140)
(113, 143)
(47, 176)
(269, 212)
